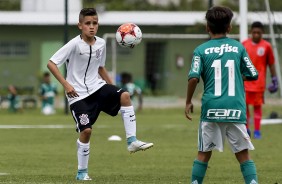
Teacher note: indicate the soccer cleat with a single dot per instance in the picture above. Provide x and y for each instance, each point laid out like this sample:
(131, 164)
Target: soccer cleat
(257, 134)
(139, 145)
(82, 175)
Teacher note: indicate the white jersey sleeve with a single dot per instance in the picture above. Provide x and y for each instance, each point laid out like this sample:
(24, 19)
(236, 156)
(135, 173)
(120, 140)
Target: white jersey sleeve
(103, 56)
(63, 54)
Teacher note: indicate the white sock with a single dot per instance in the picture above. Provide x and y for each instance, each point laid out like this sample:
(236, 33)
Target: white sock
(128, 116)
(83, 150)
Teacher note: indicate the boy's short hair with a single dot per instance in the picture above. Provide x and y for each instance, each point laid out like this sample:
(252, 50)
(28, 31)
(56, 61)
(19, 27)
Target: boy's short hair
(218, 19)
(87, 12)
(126, 77)
(257, 24)
(46, 74)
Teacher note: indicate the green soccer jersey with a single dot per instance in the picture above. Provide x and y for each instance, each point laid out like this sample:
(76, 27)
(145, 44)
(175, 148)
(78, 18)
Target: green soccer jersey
(221, 63)
(48, 91)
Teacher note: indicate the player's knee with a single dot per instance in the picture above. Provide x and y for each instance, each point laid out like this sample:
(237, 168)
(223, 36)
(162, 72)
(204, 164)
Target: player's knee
(125, 99)
(85, 135)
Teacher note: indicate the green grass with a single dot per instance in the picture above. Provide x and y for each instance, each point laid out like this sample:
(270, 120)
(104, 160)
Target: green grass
(49, 155)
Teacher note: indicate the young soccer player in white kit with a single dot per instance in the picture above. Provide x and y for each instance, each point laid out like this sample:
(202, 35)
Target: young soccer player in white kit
(89, 88)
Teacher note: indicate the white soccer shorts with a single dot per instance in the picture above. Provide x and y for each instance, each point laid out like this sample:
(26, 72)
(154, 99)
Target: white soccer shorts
(212, 135)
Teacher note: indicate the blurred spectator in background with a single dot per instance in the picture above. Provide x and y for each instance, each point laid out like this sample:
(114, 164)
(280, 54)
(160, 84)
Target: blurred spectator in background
(261, 54)
(48, 91)
(14, 100)
(133, 89)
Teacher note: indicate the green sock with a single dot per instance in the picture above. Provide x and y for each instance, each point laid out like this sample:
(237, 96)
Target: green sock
(198, 171)
(249, 172)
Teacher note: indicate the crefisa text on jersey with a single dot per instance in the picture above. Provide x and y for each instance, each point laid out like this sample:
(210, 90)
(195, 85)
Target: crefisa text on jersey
(251, 66)
(222, 49)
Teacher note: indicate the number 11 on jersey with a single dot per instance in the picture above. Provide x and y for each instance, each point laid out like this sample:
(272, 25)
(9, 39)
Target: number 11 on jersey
(218, 77)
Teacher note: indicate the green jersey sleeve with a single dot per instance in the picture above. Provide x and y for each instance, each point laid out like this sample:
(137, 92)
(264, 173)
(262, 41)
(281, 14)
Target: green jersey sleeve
(196, 66)
(247, 68)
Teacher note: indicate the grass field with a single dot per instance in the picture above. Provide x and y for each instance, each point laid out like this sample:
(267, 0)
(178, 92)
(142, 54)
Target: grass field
(48, 155)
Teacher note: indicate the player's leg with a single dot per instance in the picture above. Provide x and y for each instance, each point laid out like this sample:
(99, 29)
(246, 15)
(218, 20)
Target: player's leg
(248, 167)
(240, 143)
(257, 121)
(209, 138)
(129, 120)
(83, 151)
(200, 166)
(85, 113)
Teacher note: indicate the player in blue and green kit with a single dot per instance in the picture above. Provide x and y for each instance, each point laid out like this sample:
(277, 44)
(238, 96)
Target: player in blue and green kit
(223, 64)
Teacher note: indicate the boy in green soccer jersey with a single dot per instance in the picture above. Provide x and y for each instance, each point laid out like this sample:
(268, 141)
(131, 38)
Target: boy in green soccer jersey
(132, 89)
(223, 64)
(48, 91)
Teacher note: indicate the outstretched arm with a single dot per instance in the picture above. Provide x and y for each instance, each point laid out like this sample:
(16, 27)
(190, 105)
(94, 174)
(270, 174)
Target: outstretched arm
(70, 91)
(272, 70)
(104, 74)
(273, 87)
(192, 83)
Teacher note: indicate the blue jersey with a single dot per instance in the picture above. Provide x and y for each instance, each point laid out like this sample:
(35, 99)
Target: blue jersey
(221, 63)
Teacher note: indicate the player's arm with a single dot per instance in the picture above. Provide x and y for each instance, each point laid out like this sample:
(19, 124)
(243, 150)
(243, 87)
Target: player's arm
(192, 84)
(105, 75)
(273, 87)
(193, 79)
(70, 91)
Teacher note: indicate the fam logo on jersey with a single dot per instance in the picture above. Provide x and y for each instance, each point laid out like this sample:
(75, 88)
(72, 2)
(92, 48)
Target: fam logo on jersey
(260, 51)
(84, 120)
(224, 114)
(98, 53)
(196, 64)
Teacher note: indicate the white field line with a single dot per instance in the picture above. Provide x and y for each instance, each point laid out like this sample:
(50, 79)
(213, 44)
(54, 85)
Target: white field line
(271, 121)
(263, 122)
(3, 174)
(43, 126)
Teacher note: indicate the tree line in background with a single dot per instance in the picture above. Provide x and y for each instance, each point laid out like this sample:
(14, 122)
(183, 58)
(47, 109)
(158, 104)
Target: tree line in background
(144, 5)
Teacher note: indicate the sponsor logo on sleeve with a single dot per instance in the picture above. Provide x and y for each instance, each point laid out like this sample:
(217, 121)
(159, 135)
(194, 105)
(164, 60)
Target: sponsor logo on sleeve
(250, 66)
(196, 64)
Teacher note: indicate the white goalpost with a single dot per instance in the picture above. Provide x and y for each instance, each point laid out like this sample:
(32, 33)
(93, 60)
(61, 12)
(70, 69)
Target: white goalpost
(243, 6)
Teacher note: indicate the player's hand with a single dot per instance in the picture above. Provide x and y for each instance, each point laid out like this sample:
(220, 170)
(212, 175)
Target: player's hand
(189, 110)
(272, 88)
(70, 91)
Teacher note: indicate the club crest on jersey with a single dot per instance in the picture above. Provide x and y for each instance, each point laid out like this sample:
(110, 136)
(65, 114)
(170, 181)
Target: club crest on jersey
(260, 51)
(98, 53)
(83, 119)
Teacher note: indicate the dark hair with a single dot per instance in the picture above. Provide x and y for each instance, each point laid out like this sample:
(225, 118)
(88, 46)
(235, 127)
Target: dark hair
(46, 74)
(218, 19)
(87, 12)
(257, 24)
(126, 77)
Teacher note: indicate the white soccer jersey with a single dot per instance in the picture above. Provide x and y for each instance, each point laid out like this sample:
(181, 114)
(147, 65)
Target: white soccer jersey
(82, 63)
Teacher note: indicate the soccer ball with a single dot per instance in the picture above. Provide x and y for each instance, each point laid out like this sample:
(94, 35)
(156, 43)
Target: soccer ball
(128, 35)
